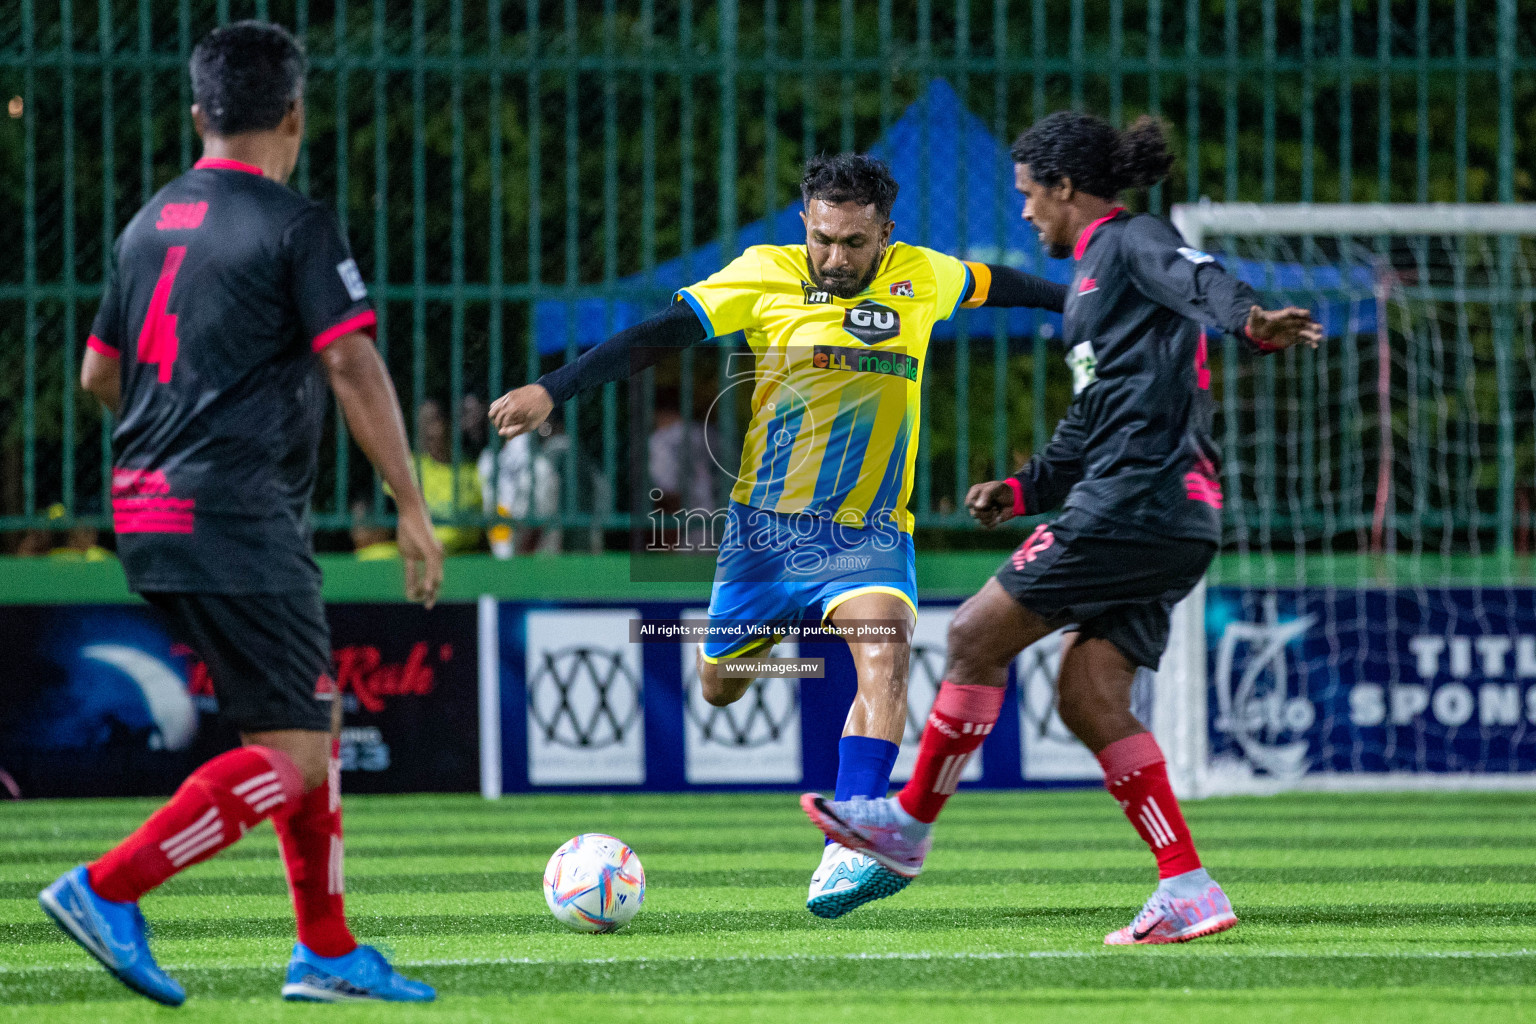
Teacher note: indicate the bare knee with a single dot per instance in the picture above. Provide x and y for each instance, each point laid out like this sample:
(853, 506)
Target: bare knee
(882, 669)
(972, 642)
(720, 691)
(310, 752)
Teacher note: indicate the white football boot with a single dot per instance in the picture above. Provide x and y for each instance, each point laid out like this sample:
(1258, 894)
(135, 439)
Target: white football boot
(846, 880)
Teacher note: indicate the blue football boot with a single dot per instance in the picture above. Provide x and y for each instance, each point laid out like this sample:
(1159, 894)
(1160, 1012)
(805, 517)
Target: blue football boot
(361, 974)
(113, 933)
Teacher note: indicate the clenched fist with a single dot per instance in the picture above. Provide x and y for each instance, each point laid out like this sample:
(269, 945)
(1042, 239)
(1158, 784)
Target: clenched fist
(990, 503)
(522, 410)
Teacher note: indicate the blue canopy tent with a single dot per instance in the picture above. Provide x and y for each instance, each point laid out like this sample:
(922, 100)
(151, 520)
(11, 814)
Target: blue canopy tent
(956, 196)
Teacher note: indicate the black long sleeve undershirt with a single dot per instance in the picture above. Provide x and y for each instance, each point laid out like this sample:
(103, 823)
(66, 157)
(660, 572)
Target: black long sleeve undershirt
(626, 353)
(1012, 287)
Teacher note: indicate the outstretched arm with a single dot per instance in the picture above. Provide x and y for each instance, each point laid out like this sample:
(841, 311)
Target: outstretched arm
(1041, 485)
(367, 399)
(621, 356)
(999, 287)
(1192, 284)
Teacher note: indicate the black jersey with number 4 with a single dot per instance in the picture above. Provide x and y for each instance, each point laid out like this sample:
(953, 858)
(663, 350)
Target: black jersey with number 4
(224, 287)
(1135, 446)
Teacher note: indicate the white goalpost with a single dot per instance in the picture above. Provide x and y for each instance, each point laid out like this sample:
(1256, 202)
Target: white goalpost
(1371, 621)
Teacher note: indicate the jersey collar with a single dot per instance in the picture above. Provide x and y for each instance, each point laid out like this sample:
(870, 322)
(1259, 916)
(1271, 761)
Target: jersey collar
(1082, 239)
(886, 259)
(220, 164)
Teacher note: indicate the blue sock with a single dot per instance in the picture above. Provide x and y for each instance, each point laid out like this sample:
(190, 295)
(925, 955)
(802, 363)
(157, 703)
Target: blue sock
(864, 766)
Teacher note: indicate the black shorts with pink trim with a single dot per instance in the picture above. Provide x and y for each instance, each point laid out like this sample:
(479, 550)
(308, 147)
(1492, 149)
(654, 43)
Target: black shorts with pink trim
(268, 656)
(1110, 581)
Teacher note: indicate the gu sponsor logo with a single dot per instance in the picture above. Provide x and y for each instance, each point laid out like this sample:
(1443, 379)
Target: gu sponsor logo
(854, 360)
(1495, 700)
(903, 290)
(815, 296)
(871, 322)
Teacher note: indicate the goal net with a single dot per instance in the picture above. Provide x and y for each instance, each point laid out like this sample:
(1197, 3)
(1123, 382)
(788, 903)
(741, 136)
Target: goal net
(1371, 620)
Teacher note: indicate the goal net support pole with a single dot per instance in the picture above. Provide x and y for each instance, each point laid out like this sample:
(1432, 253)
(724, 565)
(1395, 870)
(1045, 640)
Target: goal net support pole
(1185, 694)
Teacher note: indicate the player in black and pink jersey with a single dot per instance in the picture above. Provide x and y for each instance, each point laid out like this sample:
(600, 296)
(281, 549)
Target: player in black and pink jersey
(232, 302)
(1134, 468)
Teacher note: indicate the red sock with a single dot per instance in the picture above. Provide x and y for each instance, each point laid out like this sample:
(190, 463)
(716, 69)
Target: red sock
(961, 718)
(311, 838)
(213, 808)
(1136, 775)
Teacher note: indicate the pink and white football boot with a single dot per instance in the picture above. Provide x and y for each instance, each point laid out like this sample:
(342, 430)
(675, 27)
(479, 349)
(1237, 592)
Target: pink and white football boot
(878, 827)
(1168, 918)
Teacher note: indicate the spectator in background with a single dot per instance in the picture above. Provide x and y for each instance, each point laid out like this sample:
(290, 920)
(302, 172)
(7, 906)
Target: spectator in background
(38, 541)
(34, 543)
(79, 543)
(371, 543)
(474, 436)
(683, 468)
(451, 492)
(82, 544)
(522, 482)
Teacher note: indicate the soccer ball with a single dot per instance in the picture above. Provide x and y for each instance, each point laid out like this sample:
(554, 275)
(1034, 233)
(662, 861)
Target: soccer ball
(594, 883)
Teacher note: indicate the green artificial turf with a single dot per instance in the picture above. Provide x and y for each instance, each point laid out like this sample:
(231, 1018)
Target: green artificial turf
(1403, 907)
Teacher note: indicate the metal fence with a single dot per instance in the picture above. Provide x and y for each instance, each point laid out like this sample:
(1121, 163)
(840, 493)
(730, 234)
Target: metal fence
(487, 157)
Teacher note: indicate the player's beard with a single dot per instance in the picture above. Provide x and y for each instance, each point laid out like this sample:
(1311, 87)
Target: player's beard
(1058, 250)
(841, 286)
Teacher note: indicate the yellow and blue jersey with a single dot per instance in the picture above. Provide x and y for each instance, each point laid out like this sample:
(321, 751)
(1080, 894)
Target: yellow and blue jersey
(837, 383)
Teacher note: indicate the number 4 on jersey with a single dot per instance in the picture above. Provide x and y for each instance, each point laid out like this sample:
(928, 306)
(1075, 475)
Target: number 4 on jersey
(157, 340)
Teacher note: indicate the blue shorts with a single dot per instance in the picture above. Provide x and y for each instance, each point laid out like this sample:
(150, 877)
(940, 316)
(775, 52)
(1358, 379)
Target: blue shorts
(775, 567)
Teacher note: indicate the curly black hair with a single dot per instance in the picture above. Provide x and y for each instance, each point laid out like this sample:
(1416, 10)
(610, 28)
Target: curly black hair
(246, 76)
(850, 177)
(1098, 159)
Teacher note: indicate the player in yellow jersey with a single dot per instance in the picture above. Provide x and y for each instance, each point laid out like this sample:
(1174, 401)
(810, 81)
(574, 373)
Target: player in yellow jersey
(818, 521)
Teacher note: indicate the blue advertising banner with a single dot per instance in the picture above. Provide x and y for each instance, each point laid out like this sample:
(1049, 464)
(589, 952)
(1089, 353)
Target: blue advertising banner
(1312, 682)
(99, 700)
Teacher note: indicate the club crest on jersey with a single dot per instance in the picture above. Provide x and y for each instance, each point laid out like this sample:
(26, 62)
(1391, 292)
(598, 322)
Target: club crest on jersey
(815, 296)
(904, 290)
(871, 322)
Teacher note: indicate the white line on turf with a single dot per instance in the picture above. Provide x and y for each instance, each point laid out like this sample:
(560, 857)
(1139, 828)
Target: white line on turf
(1039, 954)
